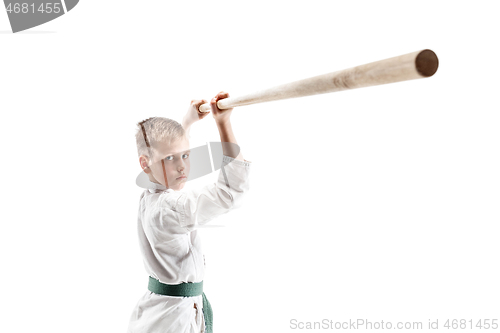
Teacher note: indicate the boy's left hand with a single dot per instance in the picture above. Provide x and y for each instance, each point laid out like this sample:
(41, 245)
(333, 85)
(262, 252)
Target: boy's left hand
(193, 114)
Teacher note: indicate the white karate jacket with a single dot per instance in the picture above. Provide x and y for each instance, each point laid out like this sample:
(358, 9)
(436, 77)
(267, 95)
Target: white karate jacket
(167, 223)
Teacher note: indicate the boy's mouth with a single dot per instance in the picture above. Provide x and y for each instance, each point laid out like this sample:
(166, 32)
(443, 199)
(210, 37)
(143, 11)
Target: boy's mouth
(181, 177)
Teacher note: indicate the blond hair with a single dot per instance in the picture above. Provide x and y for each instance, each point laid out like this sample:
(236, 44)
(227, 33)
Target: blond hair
(155, 130)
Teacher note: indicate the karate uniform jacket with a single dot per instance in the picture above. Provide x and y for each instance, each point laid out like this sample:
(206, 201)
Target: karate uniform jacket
(171, 248)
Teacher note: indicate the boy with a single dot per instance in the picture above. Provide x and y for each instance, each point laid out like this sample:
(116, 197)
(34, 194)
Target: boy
(168, 220)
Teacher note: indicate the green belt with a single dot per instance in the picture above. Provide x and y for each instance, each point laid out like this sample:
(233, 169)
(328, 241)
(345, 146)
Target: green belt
(184, 289)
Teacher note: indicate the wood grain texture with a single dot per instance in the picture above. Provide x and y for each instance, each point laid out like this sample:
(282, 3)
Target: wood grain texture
(411, 66)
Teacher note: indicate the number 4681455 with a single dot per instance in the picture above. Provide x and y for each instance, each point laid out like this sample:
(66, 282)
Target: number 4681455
(25, 8)
(468, 324)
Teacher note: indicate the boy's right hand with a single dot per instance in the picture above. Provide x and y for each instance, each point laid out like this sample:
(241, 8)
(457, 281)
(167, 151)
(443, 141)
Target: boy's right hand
(220, 116)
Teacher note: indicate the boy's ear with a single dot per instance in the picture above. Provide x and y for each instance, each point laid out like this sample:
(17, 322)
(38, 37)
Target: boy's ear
(144, 161)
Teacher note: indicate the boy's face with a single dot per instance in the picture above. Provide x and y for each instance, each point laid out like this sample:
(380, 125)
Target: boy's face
(173, 163)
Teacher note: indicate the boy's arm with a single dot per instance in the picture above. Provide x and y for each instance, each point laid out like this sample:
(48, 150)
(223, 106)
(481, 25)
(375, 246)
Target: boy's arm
(198, 206)
(192, 208)
(227, 135)
(193, 115)
(222, 119)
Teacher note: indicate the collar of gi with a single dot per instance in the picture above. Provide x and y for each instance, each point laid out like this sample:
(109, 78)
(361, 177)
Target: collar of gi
(156, 188)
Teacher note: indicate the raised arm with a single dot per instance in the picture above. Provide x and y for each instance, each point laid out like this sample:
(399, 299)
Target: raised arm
(195, 207)
(222, 119)
(193, 115)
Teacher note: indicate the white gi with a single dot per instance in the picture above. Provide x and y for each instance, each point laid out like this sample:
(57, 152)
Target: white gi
(171, 248)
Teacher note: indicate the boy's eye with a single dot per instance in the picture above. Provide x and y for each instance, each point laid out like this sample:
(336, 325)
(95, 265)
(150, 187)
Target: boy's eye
(169, 158)
(185, 156)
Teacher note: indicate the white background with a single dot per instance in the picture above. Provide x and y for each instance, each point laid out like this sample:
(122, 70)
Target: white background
(380, 203)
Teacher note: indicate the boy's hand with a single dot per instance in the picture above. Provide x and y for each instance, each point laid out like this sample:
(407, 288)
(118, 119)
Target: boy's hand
(193, 114)
(220, 116)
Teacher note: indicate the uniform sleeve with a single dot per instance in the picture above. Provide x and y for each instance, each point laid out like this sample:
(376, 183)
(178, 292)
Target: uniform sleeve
(196, 207)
